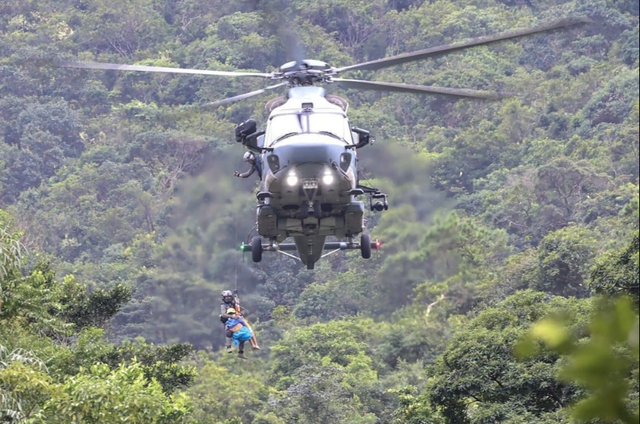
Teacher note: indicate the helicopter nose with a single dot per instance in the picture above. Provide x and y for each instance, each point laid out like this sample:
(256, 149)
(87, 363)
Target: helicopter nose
(311, 153)
(298, 174)
(308, 148)
(312, 176)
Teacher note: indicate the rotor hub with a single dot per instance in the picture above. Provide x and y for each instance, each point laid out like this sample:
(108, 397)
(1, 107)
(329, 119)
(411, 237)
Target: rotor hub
(306, 72)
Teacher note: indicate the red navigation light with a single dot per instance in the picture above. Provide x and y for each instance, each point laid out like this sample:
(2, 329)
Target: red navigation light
(376, 244)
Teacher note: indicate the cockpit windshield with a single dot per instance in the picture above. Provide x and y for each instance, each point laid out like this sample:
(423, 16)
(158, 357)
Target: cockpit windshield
(334, 124)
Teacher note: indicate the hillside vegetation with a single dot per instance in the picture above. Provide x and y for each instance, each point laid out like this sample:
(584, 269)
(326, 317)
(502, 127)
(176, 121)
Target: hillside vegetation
(507, 287)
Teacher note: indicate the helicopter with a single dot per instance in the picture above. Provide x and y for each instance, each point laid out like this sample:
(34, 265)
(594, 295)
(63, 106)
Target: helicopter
(310, 187)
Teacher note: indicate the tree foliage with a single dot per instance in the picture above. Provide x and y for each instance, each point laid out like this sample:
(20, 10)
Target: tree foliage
(125, 218)
(605, 365)
(478, 377)
(616, 273)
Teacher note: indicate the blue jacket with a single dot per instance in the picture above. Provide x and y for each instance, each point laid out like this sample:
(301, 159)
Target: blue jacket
(232, 322)
(241, 334)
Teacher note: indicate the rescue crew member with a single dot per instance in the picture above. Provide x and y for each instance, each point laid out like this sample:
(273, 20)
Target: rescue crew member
(255, 164)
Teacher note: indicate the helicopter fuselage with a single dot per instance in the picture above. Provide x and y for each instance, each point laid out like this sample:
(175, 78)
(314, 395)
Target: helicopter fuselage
(309, 175)
(310, 192)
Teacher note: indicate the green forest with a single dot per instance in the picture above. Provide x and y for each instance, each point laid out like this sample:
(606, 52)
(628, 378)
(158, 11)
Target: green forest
(506, 290)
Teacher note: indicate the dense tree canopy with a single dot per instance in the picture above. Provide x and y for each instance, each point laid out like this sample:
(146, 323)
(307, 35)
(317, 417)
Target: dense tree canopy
(507, 286)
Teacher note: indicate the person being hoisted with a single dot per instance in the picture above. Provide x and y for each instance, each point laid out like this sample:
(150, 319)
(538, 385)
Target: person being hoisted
(238, 330)
(231, 301)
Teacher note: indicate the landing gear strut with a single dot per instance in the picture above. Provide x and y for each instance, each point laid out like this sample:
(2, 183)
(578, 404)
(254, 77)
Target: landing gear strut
(366, 246)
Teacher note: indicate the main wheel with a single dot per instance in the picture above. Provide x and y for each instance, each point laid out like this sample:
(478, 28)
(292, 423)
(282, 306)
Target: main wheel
(256, 249)
(365, 246)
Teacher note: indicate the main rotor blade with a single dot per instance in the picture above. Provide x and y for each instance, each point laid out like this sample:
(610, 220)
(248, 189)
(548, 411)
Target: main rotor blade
(410, 88)
(447, 48)
(117, 67)
(242, 96)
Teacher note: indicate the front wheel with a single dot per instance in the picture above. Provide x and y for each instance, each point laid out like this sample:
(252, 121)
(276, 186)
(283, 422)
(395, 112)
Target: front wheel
(256, 249)
(365, 246)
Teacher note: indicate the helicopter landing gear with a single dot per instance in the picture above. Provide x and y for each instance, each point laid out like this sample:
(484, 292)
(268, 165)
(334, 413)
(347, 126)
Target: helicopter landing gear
(304, 210)
(317, 210)
(365, 246)
(256, 249)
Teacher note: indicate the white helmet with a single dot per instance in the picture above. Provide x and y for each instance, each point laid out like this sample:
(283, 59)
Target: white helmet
(248, 156)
